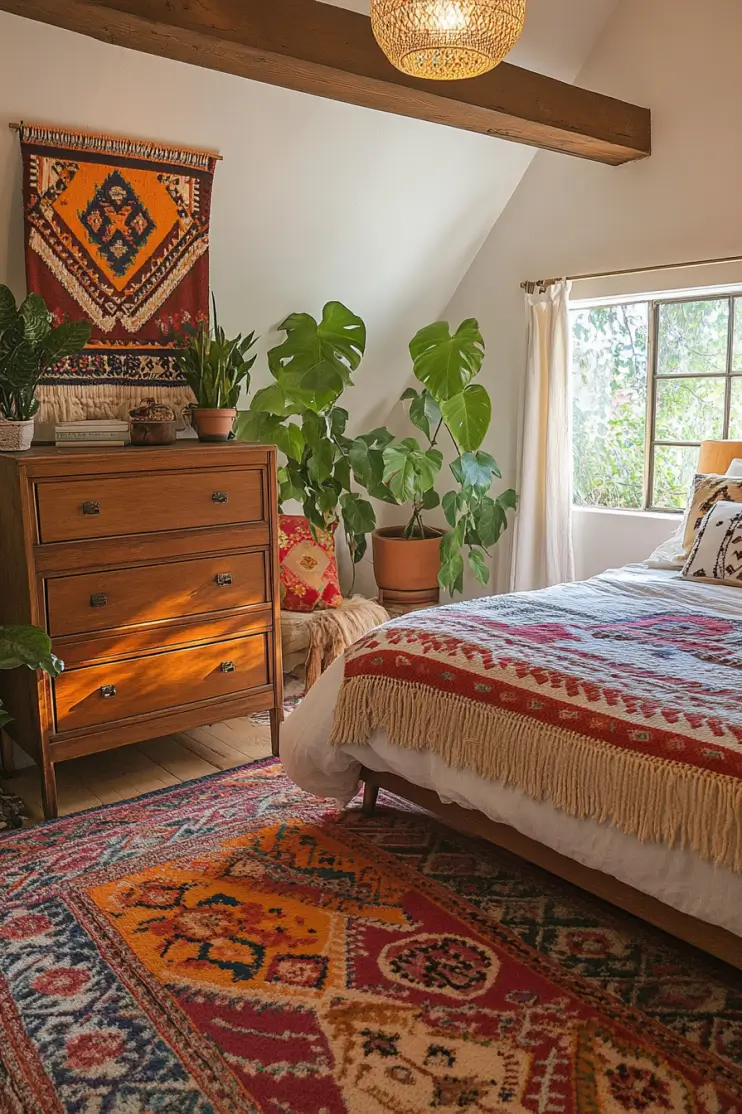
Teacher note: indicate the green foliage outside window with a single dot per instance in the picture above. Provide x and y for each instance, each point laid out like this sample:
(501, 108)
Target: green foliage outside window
(698, 383)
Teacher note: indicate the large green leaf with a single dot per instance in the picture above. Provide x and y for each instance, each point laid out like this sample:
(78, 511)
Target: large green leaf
(315, 362)
(314, 428)
(321, 462)
(338, 421)
(289, 440)
(408, 471)
(451, 507)
(37, 320)
(451, 575)
(474, 471)
(445, 364)
(468, 416)
(65, 340)
(425, 413)
(479, 566)
(271, 400)
(8, 310)
(256, 426)
(4, 717)
(29, 646)
(358, 514)
(508, 500)
(399, 471)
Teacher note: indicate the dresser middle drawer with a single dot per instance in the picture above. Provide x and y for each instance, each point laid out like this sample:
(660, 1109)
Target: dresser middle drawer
(124, 597)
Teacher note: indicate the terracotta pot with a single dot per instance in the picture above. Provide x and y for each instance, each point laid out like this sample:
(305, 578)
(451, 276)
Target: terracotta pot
(15, 437)
(213, 425)
(406, 564)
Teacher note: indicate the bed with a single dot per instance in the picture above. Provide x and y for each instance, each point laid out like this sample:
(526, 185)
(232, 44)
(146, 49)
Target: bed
(612, 711)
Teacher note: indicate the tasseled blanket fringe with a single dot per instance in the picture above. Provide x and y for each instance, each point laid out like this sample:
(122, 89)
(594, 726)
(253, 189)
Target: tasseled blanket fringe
(654, 799)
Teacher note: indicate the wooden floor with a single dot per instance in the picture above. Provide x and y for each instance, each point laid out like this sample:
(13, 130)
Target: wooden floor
(118, 775)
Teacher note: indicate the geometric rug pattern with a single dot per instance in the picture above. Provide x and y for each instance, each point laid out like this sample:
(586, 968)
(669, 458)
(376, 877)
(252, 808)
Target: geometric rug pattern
(235, 945)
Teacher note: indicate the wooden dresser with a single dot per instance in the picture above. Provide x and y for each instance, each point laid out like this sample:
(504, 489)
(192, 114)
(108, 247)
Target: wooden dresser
(155, 571)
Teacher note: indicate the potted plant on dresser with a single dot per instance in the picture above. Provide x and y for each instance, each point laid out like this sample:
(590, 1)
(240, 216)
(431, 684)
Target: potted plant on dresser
(29, 345)
(413, 560)
(215, 369)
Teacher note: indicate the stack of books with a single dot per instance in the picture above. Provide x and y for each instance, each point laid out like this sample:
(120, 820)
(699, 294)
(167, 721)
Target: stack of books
(71, 434)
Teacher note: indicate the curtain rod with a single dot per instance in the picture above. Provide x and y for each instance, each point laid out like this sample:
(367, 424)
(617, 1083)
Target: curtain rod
(635, 271)
(16, 127)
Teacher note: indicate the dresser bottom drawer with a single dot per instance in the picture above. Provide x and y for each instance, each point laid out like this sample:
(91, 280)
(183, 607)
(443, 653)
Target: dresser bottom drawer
(96, 695)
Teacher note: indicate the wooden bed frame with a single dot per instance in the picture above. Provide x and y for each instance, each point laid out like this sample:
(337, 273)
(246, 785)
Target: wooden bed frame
(709, 938)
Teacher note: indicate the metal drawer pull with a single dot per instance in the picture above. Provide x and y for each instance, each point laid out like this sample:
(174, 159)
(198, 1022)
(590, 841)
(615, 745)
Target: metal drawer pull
(107, 691)
(219, 497)
(227, 667)
(91, 507)
(100, 599)
(223, 578)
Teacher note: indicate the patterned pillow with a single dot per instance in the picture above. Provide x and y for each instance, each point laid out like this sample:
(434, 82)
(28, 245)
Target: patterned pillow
(717, 551)
(309, 569)
(706, 491)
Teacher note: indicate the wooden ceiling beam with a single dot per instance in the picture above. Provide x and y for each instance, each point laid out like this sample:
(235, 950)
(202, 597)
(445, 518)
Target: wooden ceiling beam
(330, 52)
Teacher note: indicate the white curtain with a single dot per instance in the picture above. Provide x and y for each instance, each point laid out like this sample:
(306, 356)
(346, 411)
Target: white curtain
(543, 540)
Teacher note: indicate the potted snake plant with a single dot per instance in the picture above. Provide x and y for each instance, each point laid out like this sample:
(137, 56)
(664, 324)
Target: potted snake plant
(215, 369)
(29, 345)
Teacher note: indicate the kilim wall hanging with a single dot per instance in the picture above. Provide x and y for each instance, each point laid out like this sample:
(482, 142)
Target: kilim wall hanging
(117, 231)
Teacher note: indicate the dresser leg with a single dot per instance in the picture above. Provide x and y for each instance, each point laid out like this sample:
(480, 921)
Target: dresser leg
(275, 730)
(370, 797)
(7, 757)
(49, 790)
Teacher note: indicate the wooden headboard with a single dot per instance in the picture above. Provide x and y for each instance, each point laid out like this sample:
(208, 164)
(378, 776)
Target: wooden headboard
(716, 456)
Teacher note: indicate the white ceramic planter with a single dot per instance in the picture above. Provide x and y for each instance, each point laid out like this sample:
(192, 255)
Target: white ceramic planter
(15, 437)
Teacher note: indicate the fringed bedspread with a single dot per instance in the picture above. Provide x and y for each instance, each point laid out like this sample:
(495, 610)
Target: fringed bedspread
(622, 711)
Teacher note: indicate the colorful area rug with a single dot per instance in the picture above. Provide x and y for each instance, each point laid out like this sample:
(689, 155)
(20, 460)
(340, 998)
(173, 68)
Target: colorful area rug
(235, 946)
(117, 232)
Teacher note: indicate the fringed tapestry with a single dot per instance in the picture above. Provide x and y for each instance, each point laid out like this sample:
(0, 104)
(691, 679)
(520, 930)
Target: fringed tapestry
(117, 231)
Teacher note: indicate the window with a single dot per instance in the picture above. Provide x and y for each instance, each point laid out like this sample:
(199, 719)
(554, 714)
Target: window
(652, 379)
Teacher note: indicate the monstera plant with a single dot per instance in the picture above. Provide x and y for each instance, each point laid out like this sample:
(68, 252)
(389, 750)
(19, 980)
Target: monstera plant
(449, 405)
(29, 345)
(300, 413)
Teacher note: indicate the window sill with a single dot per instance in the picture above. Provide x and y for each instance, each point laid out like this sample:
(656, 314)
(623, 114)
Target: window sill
(659, 516)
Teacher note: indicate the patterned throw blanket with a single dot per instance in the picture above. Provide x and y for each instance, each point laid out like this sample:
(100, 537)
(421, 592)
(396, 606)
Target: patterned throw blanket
(613, 708)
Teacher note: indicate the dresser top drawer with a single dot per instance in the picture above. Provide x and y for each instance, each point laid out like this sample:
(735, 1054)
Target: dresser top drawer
(111, 506)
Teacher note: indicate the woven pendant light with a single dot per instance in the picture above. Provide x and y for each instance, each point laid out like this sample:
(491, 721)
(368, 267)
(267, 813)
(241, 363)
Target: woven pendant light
(447, 39)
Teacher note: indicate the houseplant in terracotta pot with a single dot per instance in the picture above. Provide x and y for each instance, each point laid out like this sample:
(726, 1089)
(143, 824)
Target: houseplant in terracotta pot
(415, 558)
(215, 368)
(29, 345)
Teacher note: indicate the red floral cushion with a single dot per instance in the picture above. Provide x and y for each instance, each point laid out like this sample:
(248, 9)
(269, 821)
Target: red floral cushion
(309, 568)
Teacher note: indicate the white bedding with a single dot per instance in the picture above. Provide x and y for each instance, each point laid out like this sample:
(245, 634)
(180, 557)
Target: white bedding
(678, 878)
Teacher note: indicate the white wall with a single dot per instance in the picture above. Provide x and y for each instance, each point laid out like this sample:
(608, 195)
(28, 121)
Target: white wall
(681, 59)
(314, 199)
